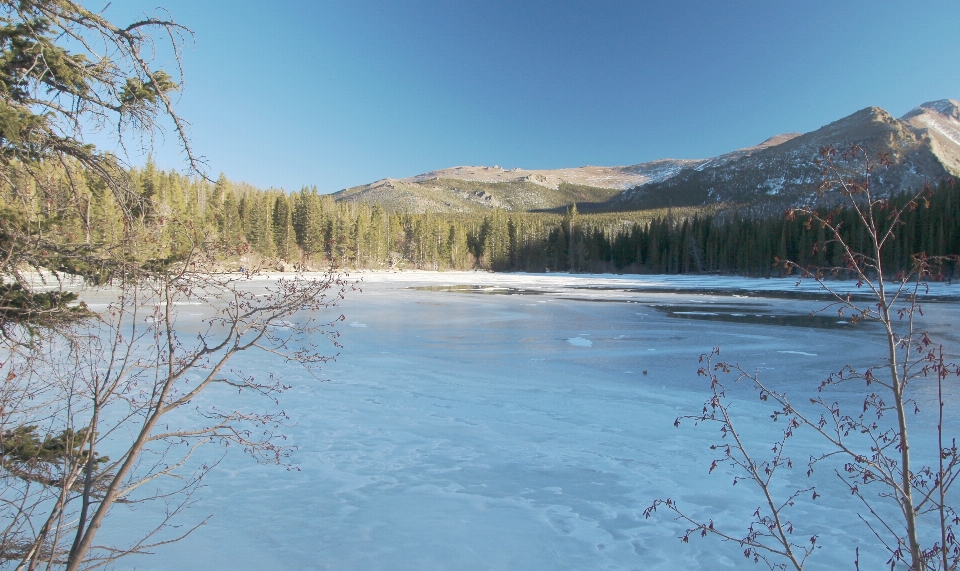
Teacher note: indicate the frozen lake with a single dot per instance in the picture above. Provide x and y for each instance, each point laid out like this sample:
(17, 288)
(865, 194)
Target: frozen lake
(524, 422)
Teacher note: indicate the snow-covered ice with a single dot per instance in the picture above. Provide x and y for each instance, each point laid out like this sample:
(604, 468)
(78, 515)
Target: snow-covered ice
(472, 427)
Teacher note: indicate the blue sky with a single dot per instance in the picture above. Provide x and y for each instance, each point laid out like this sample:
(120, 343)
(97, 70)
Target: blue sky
(336, 94)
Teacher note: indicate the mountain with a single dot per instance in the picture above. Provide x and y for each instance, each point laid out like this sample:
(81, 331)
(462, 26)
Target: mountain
(923, 145)
(939, 122)
(435, 194)
(477, 188)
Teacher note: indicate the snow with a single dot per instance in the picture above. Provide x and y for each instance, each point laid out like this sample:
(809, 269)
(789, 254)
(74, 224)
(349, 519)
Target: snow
(947, 129)
(479, 429)
(943, 106)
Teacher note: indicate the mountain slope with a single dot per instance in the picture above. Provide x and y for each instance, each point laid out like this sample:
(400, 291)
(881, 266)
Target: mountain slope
(939, 121)
(476, 188)
(479, 188)
(923, 146)
(464, 195)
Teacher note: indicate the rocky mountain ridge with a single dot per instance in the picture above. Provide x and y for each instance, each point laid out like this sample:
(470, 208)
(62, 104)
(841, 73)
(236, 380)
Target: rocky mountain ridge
(923, 145)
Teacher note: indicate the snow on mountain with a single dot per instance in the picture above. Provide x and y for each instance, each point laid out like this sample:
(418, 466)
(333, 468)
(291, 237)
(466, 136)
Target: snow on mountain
(923, 145)
(619, 178)
(940, 122)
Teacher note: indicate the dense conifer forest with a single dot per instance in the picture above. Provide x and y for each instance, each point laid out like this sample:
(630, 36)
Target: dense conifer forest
(309, 230)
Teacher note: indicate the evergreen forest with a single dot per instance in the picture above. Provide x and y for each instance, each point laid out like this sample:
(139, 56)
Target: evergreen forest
(308, 230)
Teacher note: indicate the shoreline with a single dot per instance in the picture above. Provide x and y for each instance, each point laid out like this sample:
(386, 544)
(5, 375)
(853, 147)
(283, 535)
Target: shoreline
(517, 280)
(637, 282)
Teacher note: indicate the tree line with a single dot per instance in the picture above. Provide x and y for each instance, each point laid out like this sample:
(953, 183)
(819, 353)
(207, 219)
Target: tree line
(310, 230)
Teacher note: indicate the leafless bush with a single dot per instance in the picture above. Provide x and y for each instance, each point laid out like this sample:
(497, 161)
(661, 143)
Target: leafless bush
(870, 449)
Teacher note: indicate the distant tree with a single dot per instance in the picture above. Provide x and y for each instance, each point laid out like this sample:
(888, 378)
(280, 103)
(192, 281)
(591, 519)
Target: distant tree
(283, 234)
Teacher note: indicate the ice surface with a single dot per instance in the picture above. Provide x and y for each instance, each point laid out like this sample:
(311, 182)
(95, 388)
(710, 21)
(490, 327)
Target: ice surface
(527, 427)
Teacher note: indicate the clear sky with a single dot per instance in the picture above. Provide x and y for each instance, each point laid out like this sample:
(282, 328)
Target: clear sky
(336, 94)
